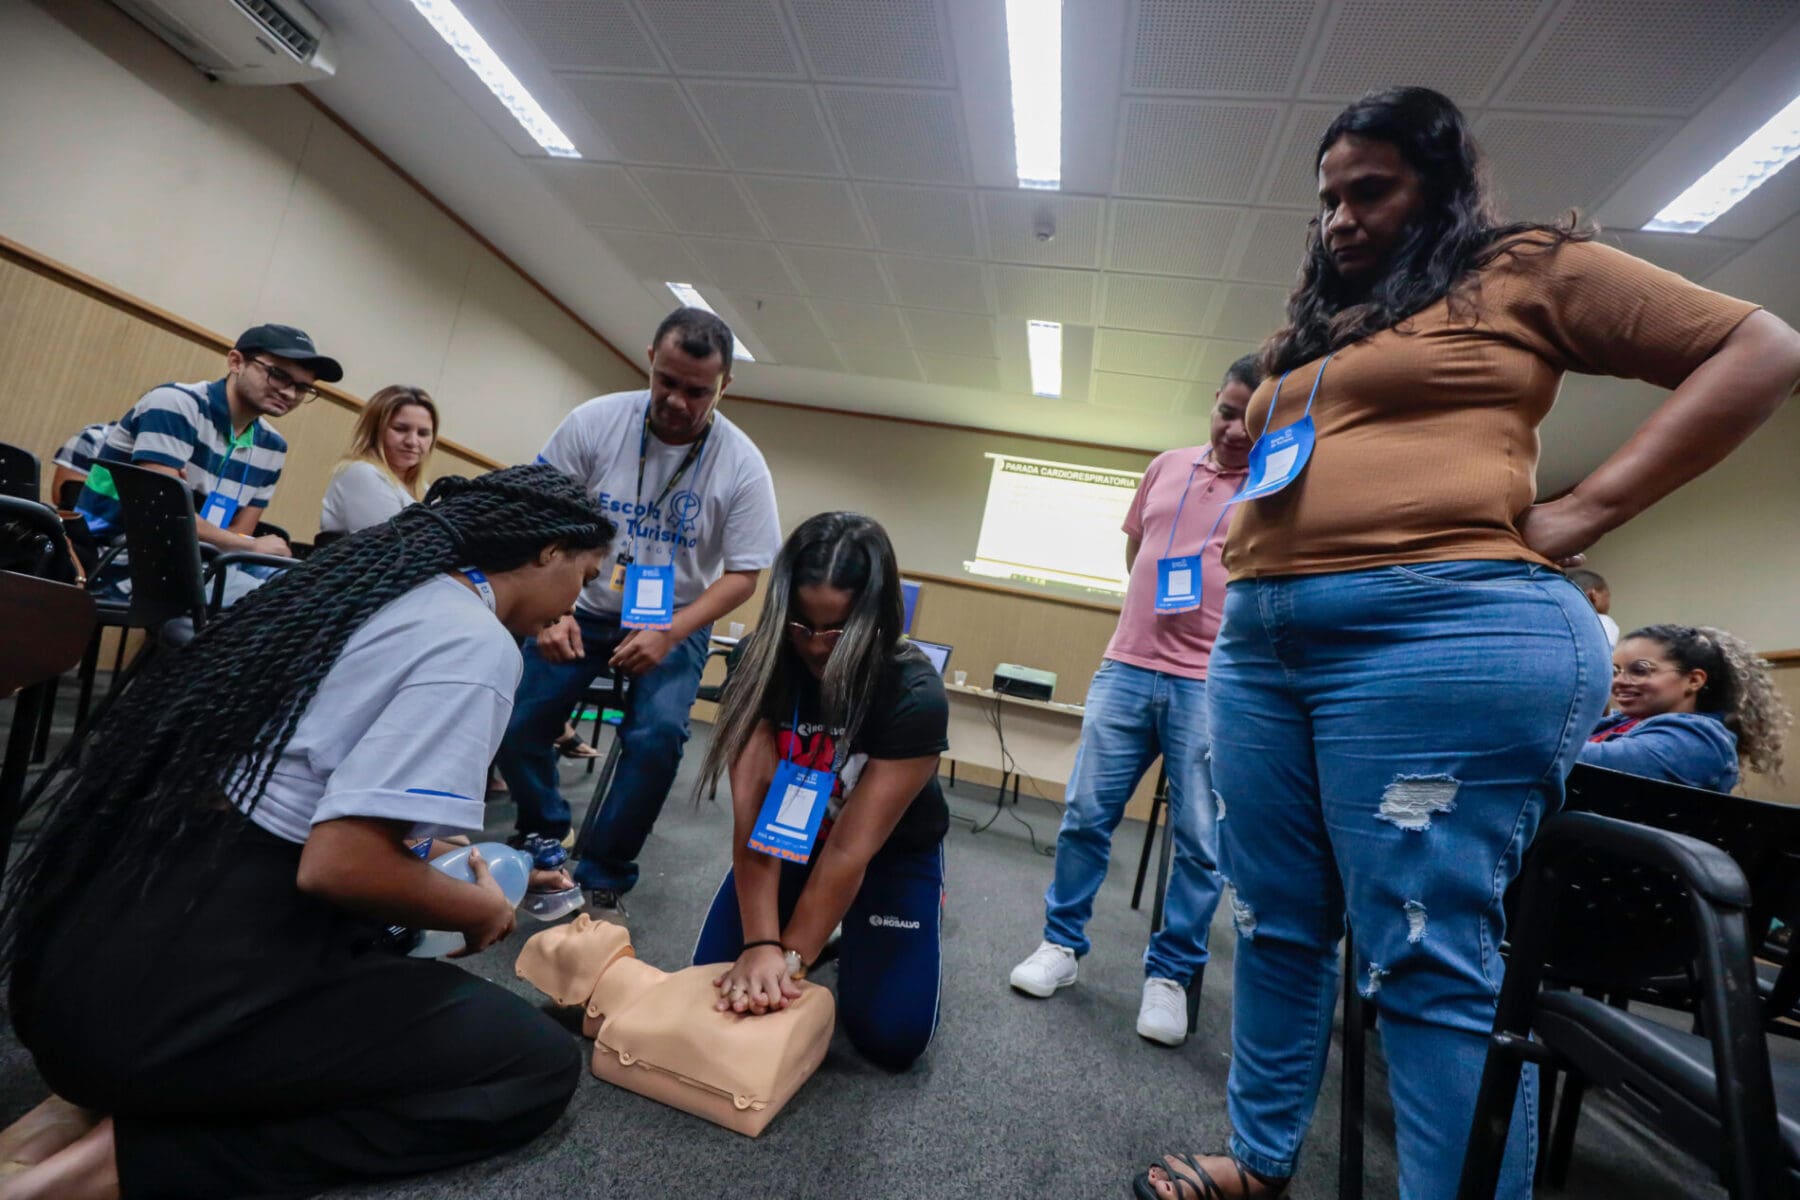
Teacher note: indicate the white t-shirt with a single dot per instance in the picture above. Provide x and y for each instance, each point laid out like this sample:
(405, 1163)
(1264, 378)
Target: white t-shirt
(1612, 629)
(405, 723)
(361, 494)
(719, 517)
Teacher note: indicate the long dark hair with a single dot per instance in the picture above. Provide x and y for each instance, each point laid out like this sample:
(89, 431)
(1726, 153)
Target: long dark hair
(210, 719)
(1456, 233)
(1739, 689)
(843, 550)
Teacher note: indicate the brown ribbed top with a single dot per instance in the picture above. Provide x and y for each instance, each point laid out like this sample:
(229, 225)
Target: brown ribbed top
(1427, 433)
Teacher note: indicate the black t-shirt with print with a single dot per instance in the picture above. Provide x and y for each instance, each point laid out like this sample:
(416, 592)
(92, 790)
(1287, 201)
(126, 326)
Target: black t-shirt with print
(908, 717)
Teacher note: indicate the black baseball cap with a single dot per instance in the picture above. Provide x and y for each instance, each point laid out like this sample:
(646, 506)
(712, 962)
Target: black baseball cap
(284, 341)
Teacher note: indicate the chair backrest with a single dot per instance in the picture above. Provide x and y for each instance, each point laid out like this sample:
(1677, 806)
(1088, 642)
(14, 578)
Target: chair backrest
(166, 575)
(44, 627)
(19, 472)
(32, 538)
(1618, 923)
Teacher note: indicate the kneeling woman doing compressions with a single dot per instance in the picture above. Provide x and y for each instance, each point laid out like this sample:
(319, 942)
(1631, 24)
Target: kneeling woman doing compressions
(196, 938)
(830, 729)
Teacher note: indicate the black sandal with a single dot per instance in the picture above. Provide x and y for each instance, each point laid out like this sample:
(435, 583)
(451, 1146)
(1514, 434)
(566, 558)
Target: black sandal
(1207, 1188)
(570, 745)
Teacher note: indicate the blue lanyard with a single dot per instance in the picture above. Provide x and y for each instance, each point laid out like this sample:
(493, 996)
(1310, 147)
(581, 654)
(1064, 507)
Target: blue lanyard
(1176, 523)
(1276, 398)
(482, 587)
(695, 456)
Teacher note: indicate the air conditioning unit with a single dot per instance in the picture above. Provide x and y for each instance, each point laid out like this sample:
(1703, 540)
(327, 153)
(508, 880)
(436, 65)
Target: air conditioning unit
(242, 41)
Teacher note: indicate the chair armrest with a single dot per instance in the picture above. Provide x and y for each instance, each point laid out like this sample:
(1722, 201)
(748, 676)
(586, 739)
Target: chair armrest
(214, 578)
(1706, 869)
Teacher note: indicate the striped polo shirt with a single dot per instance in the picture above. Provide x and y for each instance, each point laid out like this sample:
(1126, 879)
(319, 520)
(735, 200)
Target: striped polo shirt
(80, 451)
(187, 427)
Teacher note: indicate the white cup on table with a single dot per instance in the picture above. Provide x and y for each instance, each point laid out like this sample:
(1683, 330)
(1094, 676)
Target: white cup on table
(961, 677)
(735, 629)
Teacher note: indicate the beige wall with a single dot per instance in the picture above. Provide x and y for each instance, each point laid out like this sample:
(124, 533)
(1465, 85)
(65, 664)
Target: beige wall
(1724, 550)
(228, 206)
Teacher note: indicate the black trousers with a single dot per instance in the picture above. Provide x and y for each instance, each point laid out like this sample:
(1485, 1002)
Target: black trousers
(250, 1041)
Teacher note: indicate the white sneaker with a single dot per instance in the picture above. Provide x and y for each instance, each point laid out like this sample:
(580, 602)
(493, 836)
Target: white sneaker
(1162, 1015)
(1050, 967)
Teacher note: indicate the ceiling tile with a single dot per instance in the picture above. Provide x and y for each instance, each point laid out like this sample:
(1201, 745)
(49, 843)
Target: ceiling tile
(1135, 353)
(1643, 55)
(647, 120)
(1294, 179)
(1542, 165)
(862, 324)
(938, 283)
(1276, 248)
(1209, 371)
(700, 201)
(602, 194)
(874, 41)
(772, 127)
(888, 362)
(597, 35)
(1690, 255)
(1180, 150)
(1235, 47)
(1170, 239)
(1046, 294)
(956, 370)
(655, 257)
(950, 332)
(888, 133)
(1012, 219)
(785, 325)
(837, 274)
(1136, 393)
(1250, 312)
(807, 210)
(722, 37)
(1156, 302)
(921, 220)
(741, 266)
(1377, 43)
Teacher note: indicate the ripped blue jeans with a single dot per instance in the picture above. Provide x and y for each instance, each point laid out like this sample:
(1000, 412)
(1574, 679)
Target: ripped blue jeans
(1386, 743)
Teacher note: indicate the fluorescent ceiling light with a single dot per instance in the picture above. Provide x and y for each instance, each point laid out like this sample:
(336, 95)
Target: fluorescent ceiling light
(473, 49)
(1034, 54)
(1735, 176)
(1044, 340)
(690, 295)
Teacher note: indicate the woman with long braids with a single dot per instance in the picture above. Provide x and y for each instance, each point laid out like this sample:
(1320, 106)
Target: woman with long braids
(1692, 703)
(192, 939)
(833, 723)
(1404, 677)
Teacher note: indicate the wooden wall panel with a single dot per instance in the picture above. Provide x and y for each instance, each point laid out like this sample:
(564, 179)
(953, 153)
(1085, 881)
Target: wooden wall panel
(72, 354)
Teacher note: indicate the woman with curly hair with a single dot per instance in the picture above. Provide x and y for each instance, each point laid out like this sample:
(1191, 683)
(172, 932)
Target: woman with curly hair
(1404, 677)
(194, 939)
(1693, 702)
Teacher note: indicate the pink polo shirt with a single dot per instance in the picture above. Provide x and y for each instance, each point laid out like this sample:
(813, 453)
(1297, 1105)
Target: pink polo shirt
(1178, 644)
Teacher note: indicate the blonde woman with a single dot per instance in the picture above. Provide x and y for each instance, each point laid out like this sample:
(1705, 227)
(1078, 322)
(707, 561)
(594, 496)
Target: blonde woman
(381, 474)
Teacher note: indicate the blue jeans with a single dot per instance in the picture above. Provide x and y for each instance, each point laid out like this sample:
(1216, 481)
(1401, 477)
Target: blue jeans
(1386, 742)
(1134, 714)
(890, 958)
(654, 731)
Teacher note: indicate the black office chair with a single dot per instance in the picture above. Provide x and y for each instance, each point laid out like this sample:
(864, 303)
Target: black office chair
(19, 473)
(170, 582)
(1608, 906)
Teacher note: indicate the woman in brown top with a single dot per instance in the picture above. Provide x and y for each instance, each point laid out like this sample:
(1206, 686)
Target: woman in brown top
(1404, 677)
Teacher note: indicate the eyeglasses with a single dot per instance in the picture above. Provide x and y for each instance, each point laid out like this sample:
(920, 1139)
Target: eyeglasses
(828, 636)
(1643, 668)
(281, 381)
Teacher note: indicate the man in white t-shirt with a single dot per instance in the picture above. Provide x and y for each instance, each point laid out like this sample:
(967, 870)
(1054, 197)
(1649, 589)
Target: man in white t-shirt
(695, 507)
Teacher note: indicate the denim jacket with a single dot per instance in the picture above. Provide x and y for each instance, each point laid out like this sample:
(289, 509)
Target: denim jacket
(1691, 748)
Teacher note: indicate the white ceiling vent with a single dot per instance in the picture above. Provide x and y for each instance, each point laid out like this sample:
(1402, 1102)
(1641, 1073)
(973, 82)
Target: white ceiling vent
(242, 41)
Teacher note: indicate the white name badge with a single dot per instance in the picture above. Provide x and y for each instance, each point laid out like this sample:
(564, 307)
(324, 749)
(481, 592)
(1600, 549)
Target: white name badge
(649, 597)
(1277, 459)
(218, 510)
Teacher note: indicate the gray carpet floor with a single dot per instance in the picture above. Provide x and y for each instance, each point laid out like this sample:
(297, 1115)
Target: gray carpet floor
(1016, 1097)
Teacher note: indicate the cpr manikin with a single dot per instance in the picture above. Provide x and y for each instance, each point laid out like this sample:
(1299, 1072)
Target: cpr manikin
(658, 1034)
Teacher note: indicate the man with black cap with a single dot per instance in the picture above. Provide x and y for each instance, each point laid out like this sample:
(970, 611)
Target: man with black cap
(217, 438)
